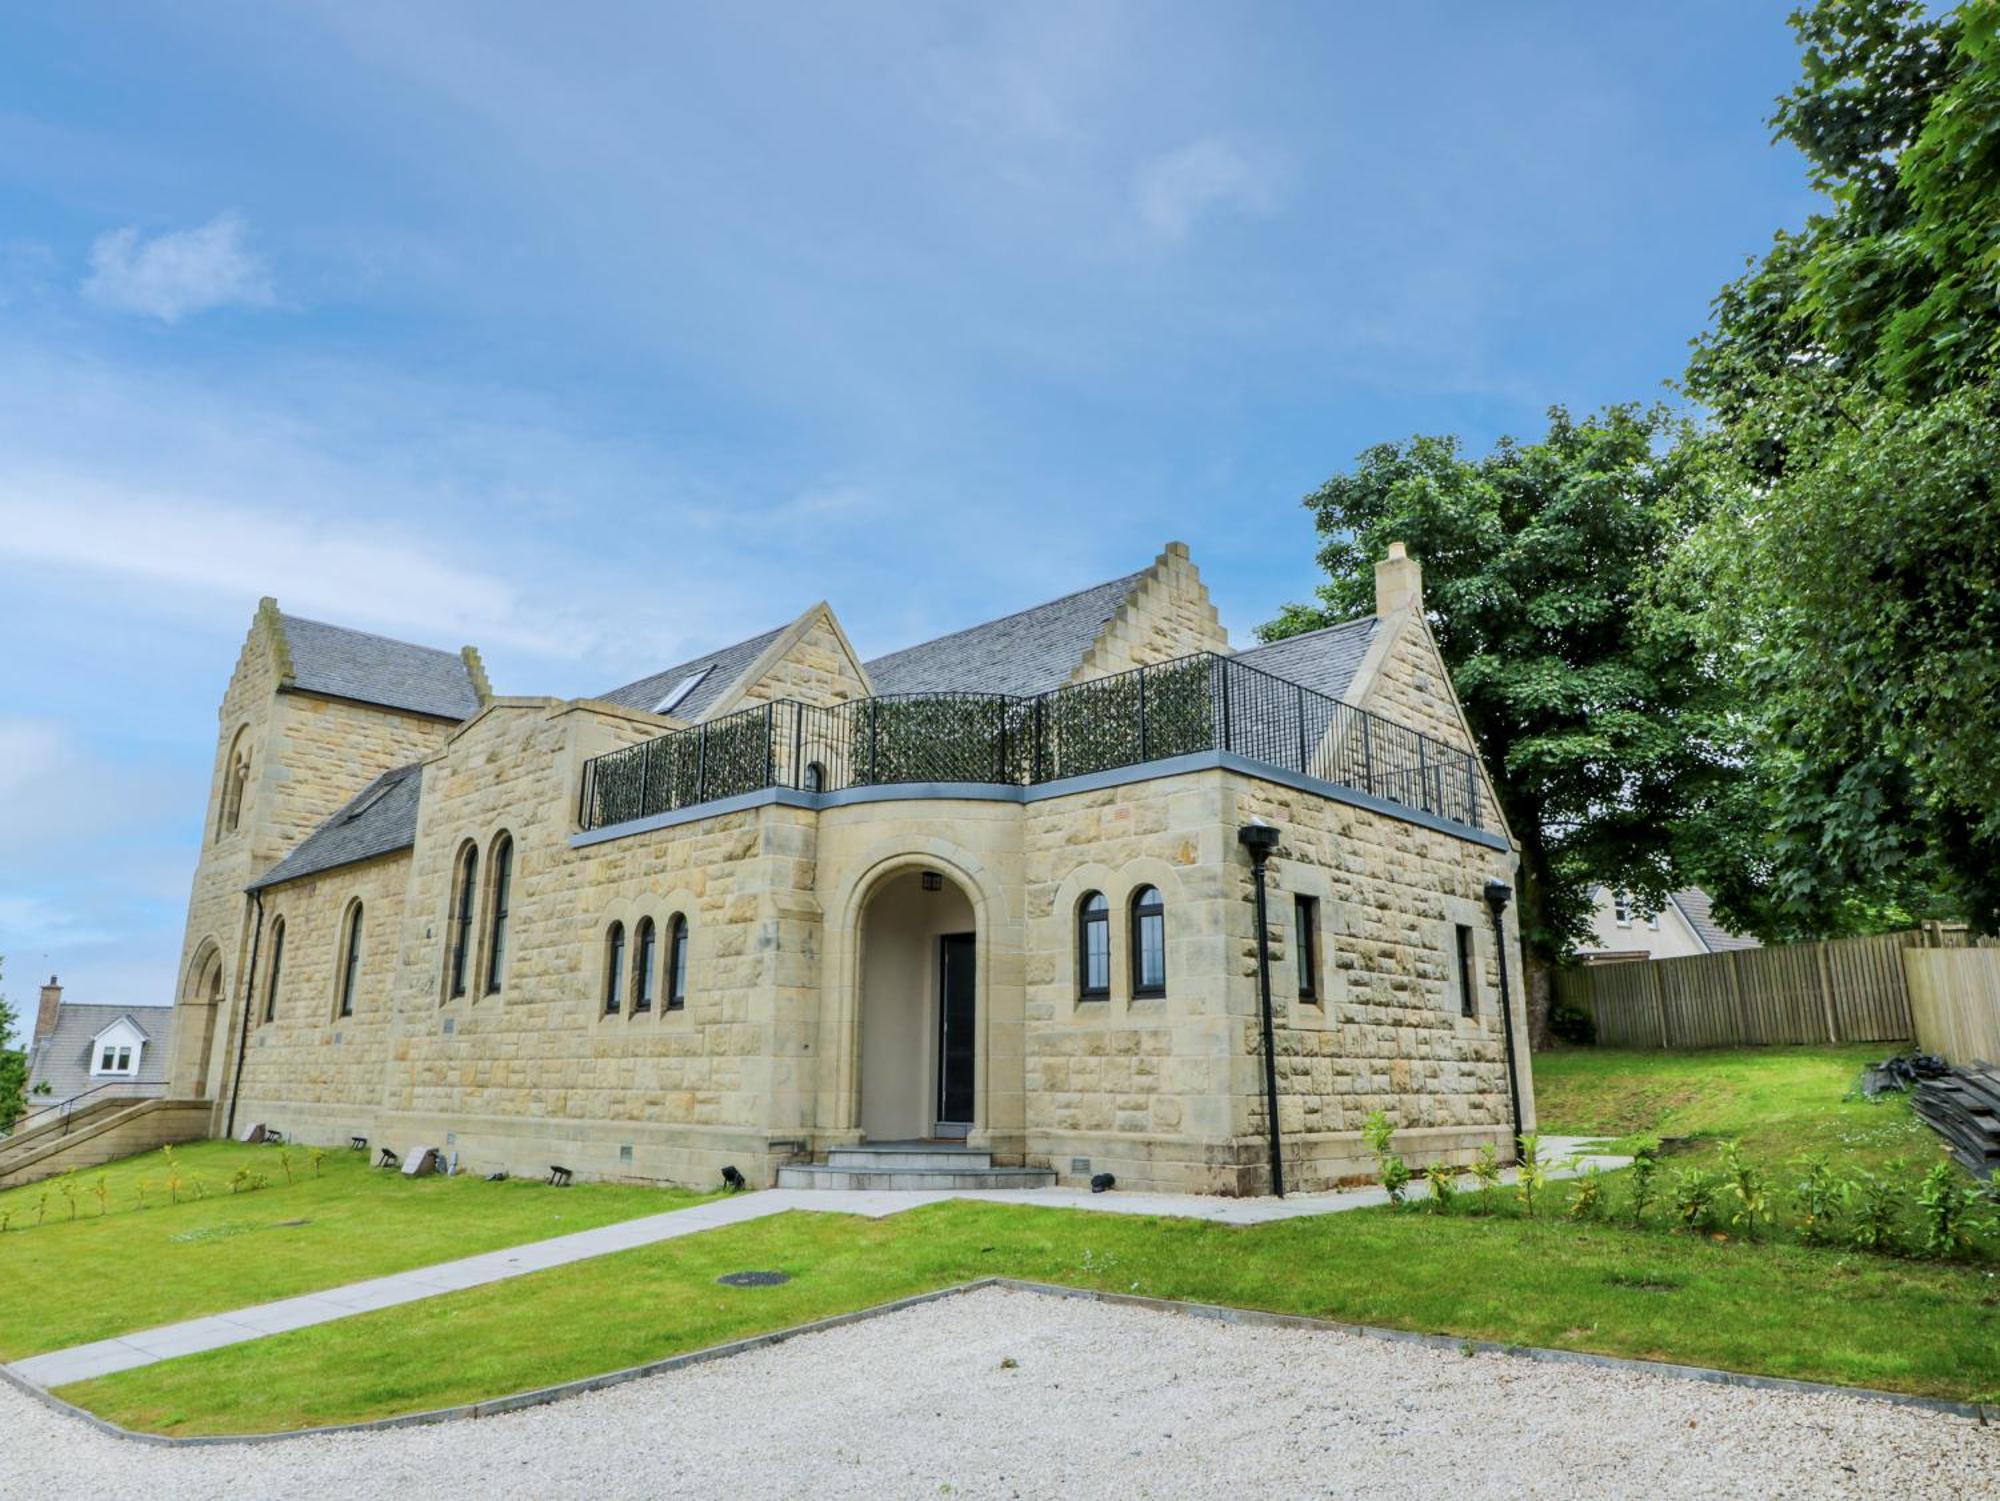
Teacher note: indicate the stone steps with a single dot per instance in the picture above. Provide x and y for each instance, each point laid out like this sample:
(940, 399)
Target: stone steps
(964, 1170)
(909, 1157)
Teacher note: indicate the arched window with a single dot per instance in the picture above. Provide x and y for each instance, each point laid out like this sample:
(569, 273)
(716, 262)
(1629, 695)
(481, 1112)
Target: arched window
(642, 968)
(235, 782)
(1093, 947)
(276, 971)
(350, 965)
(1149, 942)
(466, 887)
(815, 777)
(677, 962)
(496, 939)
(614, 967)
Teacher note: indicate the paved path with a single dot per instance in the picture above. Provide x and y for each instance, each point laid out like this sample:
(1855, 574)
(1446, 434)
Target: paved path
(148, 1346)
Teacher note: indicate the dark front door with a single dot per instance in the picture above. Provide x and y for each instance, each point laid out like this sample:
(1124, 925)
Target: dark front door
(956, 1031)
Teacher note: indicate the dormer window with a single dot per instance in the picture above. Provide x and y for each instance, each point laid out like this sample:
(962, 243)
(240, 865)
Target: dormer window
(115, 1052)
(115, 1060)
(680, 690)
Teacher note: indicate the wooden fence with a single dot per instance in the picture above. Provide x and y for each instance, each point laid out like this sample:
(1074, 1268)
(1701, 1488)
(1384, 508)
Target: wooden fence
(1955, 1001)
(1843, 990)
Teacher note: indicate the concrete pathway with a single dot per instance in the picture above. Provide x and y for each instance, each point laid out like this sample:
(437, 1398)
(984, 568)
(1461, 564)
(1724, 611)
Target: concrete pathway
(148, 1346)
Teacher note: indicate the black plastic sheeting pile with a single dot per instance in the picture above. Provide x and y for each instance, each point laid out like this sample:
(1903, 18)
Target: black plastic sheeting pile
(1901, 1072)
(1963, 1106)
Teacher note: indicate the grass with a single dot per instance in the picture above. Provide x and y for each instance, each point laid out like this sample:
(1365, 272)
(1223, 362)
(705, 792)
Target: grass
(66, 1282)
(1780, 1103)
(1776, 1309)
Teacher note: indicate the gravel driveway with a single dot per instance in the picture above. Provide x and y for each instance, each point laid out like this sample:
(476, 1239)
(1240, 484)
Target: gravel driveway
(1101, 1401)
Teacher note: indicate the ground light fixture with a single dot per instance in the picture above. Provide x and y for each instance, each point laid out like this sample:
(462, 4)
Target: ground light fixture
(733, 1180)
(1261, 840)
(1498, 894)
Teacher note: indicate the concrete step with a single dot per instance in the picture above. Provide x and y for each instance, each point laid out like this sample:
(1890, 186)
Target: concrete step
(922, 1178)
(904, 1158)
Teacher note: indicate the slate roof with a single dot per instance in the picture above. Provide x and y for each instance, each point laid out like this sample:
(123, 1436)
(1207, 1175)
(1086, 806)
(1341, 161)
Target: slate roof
(334, 660)
(1695, 906)
(381, 818)
(62, 1059)
(724, 667)
(1030, 651)
(1324, 660)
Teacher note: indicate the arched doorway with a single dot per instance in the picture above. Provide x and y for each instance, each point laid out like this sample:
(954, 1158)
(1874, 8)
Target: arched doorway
(200, 1007)
(920, 1065)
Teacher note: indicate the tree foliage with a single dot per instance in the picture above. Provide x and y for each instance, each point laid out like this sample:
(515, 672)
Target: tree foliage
(13, 1065)
(1852, 373)
(1599, 716)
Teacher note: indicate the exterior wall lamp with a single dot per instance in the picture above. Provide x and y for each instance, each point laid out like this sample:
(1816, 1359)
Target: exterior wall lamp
(1260, 839)
(1498, 894)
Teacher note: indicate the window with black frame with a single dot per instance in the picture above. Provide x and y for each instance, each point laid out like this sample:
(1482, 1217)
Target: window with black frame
(614, 968)
(1093, 947)
(1468, 992)
(461, 919)
(350, 967)
(496, 942)
(1149, 942)
(642, 969)
(1305, 941)
(677, 962)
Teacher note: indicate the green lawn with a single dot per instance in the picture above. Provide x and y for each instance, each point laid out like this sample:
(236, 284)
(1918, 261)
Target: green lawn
(1778, 1309)
(66, 1282)
(1781, 1103)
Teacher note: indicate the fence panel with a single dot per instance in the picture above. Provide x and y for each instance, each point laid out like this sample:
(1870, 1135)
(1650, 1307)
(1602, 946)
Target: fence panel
(1846, 990)
(1955, 998)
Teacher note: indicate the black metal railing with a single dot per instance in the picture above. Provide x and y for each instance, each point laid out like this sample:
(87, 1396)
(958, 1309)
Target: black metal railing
(1202, 702)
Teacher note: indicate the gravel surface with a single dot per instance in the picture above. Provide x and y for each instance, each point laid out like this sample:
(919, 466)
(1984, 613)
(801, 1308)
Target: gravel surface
(1008, 1394)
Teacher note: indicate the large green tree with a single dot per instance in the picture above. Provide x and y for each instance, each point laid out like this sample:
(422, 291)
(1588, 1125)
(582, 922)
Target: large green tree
(1856, 574)
(1605, 723)
(13, 1065)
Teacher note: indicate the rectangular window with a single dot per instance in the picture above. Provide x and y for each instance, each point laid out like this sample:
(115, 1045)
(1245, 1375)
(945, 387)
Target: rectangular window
(104, 1064)
(1468, 994)
(1621, 910)
(1305, 940)
(124, 1060)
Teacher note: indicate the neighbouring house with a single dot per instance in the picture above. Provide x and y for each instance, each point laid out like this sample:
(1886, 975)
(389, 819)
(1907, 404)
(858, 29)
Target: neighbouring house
(780, 902)
(95, 1051)
(1623, 929)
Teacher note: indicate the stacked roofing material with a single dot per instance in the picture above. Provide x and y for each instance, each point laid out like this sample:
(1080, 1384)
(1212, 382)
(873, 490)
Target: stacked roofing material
(1963, 1106)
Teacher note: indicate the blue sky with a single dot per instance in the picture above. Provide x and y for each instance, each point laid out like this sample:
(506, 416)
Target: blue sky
(599, 335)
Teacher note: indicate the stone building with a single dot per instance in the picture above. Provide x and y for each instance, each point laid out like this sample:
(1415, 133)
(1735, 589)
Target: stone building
(780, 901)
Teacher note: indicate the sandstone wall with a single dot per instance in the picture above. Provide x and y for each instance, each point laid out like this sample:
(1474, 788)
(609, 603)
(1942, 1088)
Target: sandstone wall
(1168, 615)
(817, 667)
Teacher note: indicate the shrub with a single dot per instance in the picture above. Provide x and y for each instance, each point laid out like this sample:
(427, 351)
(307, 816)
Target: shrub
(1529, 1174)
(1486, 1173)
(1443, 1181)
(1573, 1025)
(1945, 1203)
(1395, 1178)
(1693, 1198)
(314, 1158)
(1876, 1201)
(1816, 1196)
(66, 1186)
(1379, 1132)
(1645, 1188)
(101, 1190)
(239, 1180)
(1589, 1200)
(41, 1206)
(285, 1162)
(1747, 1185)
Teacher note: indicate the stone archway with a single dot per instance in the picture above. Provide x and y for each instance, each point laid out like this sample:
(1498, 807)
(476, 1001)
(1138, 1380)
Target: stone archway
(194, 1027)
(921, 1067)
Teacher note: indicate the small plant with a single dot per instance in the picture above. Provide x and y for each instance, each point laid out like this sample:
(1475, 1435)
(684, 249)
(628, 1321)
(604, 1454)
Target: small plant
(1589, 1200)
(1443, 1181)
(1486, 1173)
(175, 1182)
(1816, 1197)
(1748, 1186)
(1693, 1198)
(41, 1206)
(239, 1181)
(1645, 1185)
(66, 1186)
(1945, 1204)
(1529, 1174)
(101, 1191)
(1875, 1201)
(285, 1162)
(6, 1220)
(1379, 1132)
(314, 1158)
(139, 1193)
(200, 1186)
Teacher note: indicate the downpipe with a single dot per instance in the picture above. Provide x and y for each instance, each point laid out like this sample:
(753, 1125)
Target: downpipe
(1260, 839)
(243, 1032)
(1498, 894)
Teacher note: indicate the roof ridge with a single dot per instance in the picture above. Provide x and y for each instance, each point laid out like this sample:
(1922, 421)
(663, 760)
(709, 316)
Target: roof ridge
(331, 625)
(980, 625)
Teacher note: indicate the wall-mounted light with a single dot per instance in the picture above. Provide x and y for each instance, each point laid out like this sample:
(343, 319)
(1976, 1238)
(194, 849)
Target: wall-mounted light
(933, 881)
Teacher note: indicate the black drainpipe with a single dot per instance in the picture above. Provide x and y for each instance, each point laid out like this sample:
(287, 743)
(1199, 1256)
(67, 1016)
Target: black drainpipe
(1498, 894)
(249, 1001)
(1260, 838)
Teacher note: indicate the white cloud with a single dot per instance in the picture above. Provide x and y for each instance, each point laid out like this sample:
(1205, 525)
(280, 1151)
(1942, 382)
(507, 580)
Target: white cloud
(1174, 190)
(174, 274)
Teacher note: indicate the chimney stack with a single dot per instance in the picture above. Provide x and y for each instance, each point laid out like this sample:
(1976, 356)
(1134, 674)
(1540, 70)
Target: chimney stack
(45, 1015)
(1399, 582)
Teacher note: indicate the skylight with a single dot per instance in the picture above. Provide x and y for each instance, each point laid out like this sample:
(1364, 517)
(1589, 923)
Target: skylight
(679, 691)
